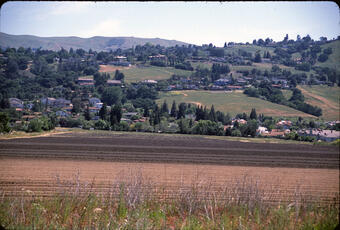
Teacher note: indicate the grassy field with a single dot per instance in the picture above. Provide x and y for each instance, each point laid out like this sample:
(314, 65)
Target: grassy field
(333, 59)
(136, 207)
(249, 48)
(232, 102)
(325, 97)
(151, 73)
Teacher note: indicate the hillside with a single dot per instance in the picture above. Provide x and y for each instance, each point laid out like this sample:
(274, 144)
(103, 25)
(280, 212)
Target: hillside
(97, 43)
(233, 102)
(325, 97)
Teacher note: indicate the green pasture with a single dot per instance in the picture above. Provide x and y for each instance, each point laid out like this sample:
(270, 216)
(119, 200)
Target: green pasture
(233, 102)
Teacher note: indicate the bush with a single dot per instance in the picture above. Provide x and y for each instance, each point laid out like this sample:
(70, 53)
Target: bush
(102, 125)
(35, 125)
(207, 127)
(323, 57)
(4, 123)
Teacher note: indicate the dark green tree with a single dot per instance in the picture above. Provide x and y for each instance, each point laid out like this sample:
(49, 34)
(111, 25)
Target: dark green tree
(112, 95)
(4, 123)
(103, 112)
(253, 115)
(115, 114)
(181, 110)
(87, 114)
(173, 112)
(212, 114)
(165, 108)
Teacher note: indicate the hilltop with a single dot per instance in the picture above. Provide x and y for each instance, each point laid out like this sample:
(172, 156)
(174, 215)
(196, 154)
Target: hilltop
(97, 43)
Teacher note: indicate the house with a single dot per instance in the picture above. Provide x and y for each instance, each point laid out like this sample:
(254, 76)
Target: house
(324, 135)
(16, 103)
(93, 101)
(222, 82)
(234, 87)
(284, 124)
(28, 117)
(61, 102)
(84, 81)
(262, 130)
(48, 100)
(216, 87)
(129, 115)
(149, 82)
(113, 82)
(158, 57)
(98, 105)
(93, 109)
(240, 121)
(276, 133)
(62, 113)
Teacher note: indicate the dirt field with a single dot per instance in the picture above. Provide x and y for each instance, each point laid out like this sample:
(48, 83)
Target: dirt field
(35, 163)
(111, 68)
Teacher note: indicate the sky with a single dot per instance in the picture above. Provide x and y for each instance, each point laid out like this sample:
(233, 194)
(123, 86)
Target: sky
(192, 22)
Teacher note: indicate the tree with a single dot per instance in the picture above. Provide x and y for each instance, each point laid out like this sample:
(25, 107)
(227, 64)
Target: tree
(87, 114)
(76, 102)
(297, 96)
(181, 110)
(103, 112)
(119, 75)
(115, 114)
(212, 114)
(173, 112)
(165, 108)
(112, 95)
(253, 115)
(4, 123)
(146, 112)
(4, 103)
(257, 58)
(323, 57)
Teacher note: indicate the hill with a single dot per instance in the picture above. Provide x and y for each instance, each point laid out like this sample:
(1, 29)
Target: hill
(96, 43)
(233, 102)
(325, 97)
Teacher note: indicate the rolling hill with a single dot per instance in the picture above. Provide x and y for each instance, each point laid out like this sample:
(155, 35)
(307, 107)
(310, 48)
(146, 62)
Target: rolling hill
(96, 43)
(233, 102)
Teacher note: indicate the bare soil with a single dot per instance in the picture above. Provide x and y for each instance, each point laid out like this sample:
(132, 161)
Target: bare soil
(111, 68)
(171, 161)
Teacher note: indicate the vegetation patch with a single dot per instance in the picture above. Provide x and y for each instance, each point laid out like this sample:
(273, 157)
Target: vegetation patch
(232, 102)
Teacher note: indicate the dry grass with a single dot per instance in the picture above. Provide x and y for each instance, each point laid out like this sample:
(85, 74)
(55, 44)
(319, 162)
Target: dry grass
(135, 202)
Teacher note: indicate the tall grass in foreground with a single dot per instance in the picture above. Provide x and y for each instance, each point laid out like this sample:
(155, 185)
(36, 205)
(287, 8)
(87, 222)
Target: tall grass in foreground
(137, 203)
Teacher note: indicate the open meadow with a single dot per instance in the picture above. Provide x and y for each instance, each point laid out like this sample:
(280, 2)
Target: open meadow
(325, 97)
(233, 102)
(136, 74)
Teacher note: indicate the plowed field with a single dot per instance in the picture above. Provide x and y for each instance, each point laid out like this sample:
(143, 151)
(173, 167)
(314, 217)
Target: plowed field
(34, 163)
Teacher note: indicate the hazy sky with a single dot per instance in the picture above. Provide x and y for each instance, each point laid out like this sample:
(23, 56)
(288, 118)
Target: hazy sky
(193, 22)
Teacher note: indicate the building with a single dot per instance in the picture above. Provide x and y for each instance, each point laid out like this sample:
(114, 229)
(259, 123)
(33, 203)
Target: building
(262, 130)
(149, 82)
(324, 135)
(222, 82)
(84, 81)
(94, 100)
(114, 82)
(16, 103)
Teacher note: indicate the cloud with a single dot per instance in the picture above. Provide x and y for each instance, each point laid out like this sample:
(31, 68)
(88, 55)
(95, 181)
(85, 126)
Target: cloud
(109, 27)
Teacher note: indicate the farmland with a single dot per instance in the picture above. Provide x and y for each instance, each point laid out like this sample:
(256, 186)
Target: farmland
(90, 150)
(233, 102)
(103, 178)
